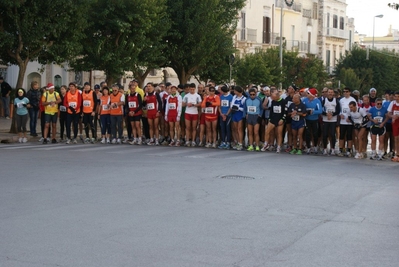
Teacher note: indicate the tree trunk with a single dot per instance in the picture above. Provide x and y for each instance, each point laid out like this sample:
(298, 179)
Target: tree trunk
(142, 76)
(21, 74)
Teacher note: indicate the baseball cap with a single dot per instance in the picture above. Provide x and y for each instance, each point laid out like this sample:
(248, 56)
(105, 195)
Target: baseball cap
(373, 89)
(97, 86)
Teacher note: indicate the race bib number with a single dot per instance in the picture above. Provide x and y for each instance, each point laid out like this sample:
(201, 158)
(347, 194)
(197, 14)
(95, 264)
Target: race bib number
(63, 109)
(132, 104)
(379, 119)
(295, 118)
(105, 107)
(87, 103)
(277, 109)
(251, 109)
(396, 112)
(72, 104)
(330, 110)
(172, 105)
(224, 103)
(20, 105)
(345, 110)
(150, 106)
(209, 110)
(114, 106)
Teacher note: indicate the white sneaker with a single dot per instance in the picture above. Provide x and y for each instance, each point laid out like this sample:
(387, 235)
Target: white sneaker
(102, 140)
(325, 153)
(20, 140)
(41, 139)
(278, 149)
(24, 140)
(113, 141)
(332, 152)
(74, 141)
(108, 141)
(118, 141)
(208, 145)
(139, 141)
(357, 156)
(68, 141)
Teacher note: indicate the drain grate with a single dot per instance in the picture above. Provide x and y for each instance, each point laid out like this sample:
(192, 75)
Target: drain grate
(237, 177)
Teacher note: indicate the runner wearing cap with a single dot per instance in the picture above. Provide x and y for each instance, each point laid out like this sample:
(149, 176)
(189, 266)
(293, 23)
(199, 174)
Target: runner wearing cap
(313, 109)
(377, 115)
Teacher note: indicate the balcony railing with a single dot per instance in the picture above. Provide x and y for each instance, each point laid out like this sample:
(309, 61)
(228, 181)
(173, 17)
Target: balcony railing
(337, 33)
(301, 47)
(248, 35)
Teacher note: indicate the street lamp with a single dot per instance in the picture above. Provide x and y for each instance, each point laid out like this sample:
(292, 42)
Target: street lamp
(378, 16)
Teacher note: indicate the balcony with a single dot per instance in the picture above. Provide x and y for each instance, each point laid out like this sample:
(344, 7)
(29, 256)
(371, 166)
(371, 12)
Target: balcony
(301, 47)
(247, 35)
(297, 7)
(336, 33)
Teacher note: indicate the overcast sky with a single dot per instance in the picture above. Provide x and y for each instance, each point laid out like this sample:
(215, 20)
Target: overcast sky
(365, 10)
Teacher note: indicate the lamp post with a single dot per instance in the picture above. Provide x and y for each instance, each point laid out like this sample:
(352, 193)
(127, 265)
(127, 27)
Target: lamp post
(378, 16)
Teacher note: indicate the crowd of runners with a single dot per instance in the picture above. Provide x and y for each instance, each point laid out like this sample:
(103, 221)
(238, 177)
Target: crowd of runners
(255, 118)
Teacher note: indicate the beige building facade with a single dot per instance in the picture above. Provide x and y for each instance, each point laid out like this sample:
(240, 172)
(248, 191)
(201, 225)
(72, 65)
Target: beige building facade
(315, 27)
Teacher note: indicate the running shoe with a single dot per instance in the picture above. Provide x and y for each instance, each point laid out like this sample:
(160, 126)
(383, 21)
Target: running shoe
(74, 141)
(222, 145)
(293, 152)
(113, 141)
(24, 140)
(20, 140)
(53, 141)
(118, 141)
(265, 147)
(102, 140)
(193, 144)
(299, 152)
(257, 148)
(68, 141)
(250, 148)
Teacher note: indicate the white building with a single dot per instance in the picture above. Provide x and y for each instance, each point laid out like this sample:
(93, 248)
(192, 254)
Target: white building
(317, 27)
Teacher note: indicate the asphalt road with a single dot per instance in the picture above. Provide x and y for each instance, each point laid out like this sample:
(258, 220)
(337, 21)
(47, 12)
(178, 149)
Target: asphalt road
(119, 205)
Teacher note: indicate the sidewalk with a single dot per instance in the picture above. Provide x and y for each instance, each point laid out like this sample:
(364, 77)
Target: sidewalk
(6, 137)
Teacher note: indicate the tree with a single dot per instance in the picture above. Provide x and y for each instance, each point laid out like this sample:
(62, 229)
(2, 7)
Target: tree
(379, 70)
(49, 31)
(254, 68)
(123, 35)
(44, 30)
(263, 67)
(350, 79)
(200, 31)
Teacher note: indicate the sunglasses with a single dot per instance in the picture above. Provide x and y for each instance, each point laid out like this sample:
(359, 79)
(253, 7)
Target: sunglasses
(252, 94)
(346, 91)
(378, 104)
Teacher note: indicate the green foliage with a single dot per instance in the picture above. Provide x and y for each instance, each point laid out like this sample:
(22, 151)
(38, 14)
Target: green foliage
(379, 71)
(263, 67)
(124, 35)
(350, 79)
(44, 30)
(201, 31)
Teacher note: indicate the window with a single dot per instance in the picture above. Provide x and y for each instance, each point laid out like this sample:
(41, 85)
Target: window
(243, 35)
(341, 23)
(335, 22)
(266, 30)
(315, 10)
(328, 59)
(57, 81)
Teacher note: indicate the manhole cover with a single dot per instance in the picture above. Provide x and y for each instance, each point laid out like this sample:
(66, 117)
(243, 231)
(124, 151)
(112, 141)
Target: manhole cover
(237, 177)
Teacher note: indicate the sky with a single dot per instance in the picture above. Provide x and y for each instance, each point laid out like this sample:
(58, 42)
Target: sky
(364, 11)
